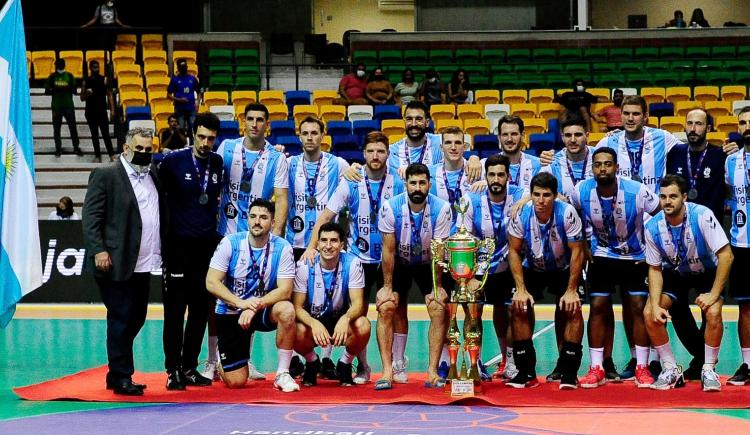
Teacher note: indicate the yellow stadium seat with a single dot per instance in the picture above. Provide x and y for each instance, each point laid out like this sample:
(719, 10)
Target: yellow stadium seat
(128, 70)
(270, 98)
(243, 97)
(278, 112)
(539, 96)
(534, 125)
(28, 64)
(215, 98)
(549, 111)
(157, 84)
(126, 41)
(469, 111)
(44, 63)
(718, 108)
(681, 108)
(155, 70)
(487, 96)
(151, 41)
(129, 99)
(706, 93)
(73, 62)
(324, 97)
(562, 91)
(595, 137)
(122, 57)
(477, 126)
(97, 55)
(394, 138)
(725, 124)
(130, 84)
(441, 124)
(442, 111)
(393, 127)
(188, 55)
(325, 143)
(302, 111)
(523, 110)
(514, 96)
(157, 98)
(733, 93)
(601, 94)
(653, 95)
(678, 93)
(716, 137)
(161, 111)
(332, 112)
(154, 56)
(672, 124)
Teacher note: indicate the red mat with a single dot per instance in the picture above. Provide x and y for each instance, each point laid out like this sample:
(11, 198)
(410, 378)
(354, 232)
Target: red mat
(89, 386)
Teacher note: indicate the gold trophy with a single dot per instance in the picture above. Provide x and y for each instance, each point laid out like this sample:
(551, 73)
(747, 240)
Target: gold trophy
(458, 255)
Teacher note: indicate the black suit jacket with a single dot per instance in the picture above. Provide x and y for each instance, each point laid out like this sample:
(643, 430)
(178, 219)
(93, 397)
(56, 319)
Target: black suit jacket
(112, 221)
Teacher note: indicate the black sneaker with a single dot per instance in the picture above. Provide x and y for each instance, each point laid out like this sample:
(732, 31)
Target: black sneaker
(310, 374)
(693, 372)
(523, 380)
(569, 381)
(328, 370)
(628, 373)
(175, 380)
(555, 376)
(58, 154)
(78, 151)
(192, 377)
(610, 371)
(741, 376)
(296, 367)
(344, 372)
(655, 368)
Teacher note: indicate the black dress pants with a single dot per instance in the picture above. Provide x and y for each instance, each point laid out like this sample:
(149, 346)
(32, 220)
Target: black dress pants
(97, 122)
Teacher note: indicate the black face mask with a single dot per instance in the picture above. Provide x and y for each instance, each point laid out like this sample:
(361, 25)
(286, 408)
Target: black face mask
(64, 212)
(182, 69)
(378, 77)
(141, 159)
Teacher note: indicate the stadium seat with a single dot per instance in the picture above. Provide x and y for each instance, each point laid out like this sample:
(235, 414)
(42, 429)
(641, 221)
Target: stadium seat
(189, 55)
(595, 54)
(441, 124)
(302, 111)
(415, 56)
(523, 68)
(610, 80)
(578, 69)
(687, 66)
(389, 111)
(243, 98)
(551, 68)
(220, 56)
(645, 53)
(604, 67)
(602, 94)
(671, 52)
(677, 93)
(440, 56)
(742, 78)
(672, 123)
(97, 55)
(549, 111)
(122, 57)
(127, 70)
(716, 138)
(339, 128)
(133, 113)
(487, 96)
(723, 51)
(277, 112)
(736, 65)
(720, 78)
(706, 93)
(718, 108)
(294, 98)
(363, 127)
(570, 54)
(540, 142)
(518, 55)
(228, 129)
(271, 97)
(524, 110)
(486, 142)
(367, 57)
(283, 128)
(515, 96)
(128, 99)
(476, 126)
(529, 81)
(469, 111)
(247, 83)
(390, 57)
(154, 56)
(737, 105)
(157, 85)
(221, 82)
(391, 127)
(725, 124)
(595, 137)
(74, 62)
(215, 98)
(161, 111)
(697, 52)
(357, 112)
(621, 54)
(733, 93)
(534, 125)
(682, 108)
(152, 41)
(246, 56)
(223, 112)
(44, 63)
(156, 70)
(544, 55)
(467, 56)
(345, 143)
(333, 112)
(324, 97)
(493, 112)
(640, 80)
(538, 96)
(292, 144)
(653, 95)
(126, 41)
(130, 84)
(325, 143)
(442, 111)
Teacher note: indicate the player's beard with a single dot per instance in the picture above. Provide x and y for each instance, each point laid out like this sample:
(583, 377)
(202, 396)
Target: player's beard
(746, 137)
(417, 197)
(695, 139)
(420, 135)
(500, 188)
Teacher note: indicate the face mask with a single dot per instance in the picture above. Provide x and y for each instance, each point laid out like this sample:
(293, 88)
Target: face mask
(141, 159)
(379, 77)
(110, 4)
(60, 71)
(360, 73)
(433, 79)
(63, 212)
(617, 101)
(182, 69)
(579, 88)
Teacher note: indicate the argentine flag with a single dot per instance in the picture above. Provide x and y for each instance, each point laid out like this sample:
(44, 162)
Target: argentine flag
(20, 256)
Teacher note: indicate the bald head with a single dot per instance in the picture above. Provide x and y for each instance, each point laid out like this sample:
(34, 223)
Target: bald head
(696, 127)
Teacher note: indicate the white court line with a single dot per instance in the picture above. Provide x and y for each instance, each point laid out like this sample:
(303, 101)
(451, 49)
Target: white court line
(499, 357)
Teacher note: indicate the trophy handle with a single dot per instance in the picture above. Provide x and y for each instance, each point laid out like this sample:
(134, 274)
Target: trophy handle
(437, 248)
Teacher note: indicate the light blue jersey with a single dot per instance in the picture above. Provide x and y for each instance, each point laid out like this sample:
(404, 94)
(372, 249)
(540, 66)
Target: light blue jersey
(546, 245)
(305, 178)
(245, 266)
(689, 248)
(618, 232)
(324, 302)
(457, 186)
(401, 154)
(414, 231)
(269, 173)
(736, 177)
(521, 173)
(569, 173)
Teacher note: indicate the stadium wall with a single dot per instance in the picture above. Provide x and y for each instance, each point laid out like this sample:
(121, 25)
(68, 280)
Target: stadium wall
(607, 14)
(362, 15)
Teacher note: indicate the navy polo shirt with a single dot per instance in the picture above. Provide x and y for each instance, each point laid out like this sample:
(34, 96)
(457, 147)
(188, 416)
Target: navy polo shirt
(182, 184)
(710, 175)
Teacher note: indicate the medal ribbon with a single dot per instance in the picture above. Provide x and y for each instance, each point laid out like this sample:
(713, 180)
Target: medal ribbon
(421, 155)
(311, 183)
(204, 182)
(416, 235)
(247, 173)
(636, 157)
(570, 167)
(679, 244)
(693, 178)
(255, 271)
(453, 194)
(328, 301)
(374, 202)
(608, 219)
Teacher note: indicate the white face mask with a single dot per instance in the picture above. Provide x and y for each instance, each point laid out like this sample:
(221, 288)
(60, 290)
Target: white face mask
(60, 71)
(579, 88)
(110, 4)
(360, 73)
(433, 79)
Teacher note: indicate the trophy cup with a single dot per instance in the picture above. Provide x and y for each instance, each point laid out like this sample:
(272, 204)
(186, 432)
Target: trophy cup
(457, 255)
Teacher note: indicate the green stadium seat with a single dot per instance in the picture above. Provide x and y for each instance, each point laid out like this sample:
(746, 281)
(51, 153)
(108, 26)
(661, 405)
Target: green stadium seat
(626, 67)
(504, 81)
(467, 55)
(247, 83)
(742, 78)
(246, 56)
(696, 78)
(723, 51)
(518, 55)
(419, 71)
(501, 68)
(441, 56)
(367, 57)
(558, 81)
(415, 56)
(395, 77)
(671, 52)
(656, 66)
(736, 65)
(550, 68)
(646, 53)
(697, 52)
(743, 51)
(526, 68)
(595, 54)
(604, 67)
(667, 79)
(475, 70)
(543, 54)
(570, 54)
(720, 78)
(530, 81)
(682, 65)
(221, 82)
(446, 71)
(610, 80)
(220, 69)
(389, 57)
(639, 80)
(219, 56)
(493, 55)
(621, 54)
(577, 68)
(709, 65)
(248, 70)
(480, 81)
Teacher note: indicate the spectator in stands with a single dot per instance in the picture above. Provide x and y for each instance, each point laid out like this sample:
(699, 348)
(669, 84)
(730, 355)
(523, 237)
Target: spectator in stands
(407, 90)
(379, 90)
(353, 86)
(697, 19)
(96, 93)
(184, 90)
(677, 21)
(578, 102)
(62, 85)
(431, 89)
(611, 116)
(458, 88)
(105, 15)
(64, 211)
(172, 137)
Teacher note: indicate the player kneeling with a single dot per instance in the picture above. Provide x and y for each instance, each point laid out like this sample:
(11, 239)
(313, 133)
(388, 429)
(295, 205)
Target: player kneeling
(328, 300)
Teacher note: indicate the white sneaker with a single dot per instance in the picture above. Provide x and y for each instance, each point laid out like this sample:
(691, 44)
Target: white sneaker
(511, 371)
(710, 380)
(253, 374)
(363, 374)
(399, 371)
(285, 382)
(209, 371)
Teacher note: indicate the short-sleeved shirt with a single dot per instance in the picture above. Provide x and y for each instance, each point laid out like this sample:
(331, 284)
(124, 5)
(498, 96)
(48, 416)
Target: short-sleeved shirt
(353, 86)
(655, 144)
(429, 154)
(406, 92)
(521, 173)
(617, 228)
(689, 248)
(449, 186)
(62, 87)
(269, 173)
(96, 102)
(738, 180)
(575, 100)
(364, 238)
(244, 266)
(569, 173)
(324, 302)
(414, 231)
(306, 180)
(184, 87)
(709, 176)
(612, 115)
(184, 179)
(106, 15)
(546, 245)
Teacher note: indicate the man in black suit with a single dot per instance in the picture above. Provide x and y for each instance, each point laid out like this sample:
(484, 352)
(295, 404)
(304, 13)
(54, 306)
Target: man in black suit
(123, 225)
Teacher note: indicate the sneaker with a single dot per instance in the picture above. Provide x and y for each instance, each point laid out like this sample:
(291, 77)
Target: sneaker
(569, 381)
(710, 380)
(209, 371)
(555, 376)
(175, 381)
(285, 383)
(310, 374)
(499, 372)
(484, 375)
(669, 378)
(594, 378)
(443, 370)
(610, 371)
(400, 376)
(628, 374)
(643, 378)
(510, 371)
(195, 379)
(253, 373)
(296, 367)
(655, 368)
(741, 376)
(328, 370)
(78, 151)
(58, 154)
(363, 374)
(344, 374)
(523, 380)
(693, 372)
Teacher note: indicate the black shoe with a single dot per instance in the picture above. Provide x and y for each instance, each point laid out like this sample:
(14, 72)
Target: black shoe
(296, 367)
(741, 376)
(555, 376)
(628, 373)
(328, 370)
(77, 151)
(655, 368)
(310, 374)
(111, 384)
(127, 388)
(693, 372)
(523, 380)
(569, 381)
(58, 154)
(176, 380)
(610, 371)
(344, 372)
(193, 378)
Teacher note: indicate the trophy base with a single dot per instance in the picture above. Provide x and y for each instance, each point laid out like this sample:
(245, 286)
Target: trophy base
(462, 388)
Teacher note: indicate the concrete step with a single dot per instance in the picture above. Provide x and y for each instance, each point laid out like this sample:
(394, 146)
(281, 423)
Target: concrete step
(39, 101)
(43, 115)
(45, 131)
(47, 145)
(65, 163)
(71, 179)
(48, 198)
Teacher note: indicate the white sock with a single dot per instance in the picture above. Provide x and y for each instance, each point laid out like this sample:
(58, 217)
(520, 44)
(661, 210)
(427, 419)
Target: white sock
(597, 356)
(653, 355)
(641, 355)
(399, 346)
(632, 352)
(250, 357)
(746, 355)
(509, 355)
(346, 358)
(312, 356)
(444, 355)
(213, 349)
(326, 351)
(666, 355)
(285, 357)
(710, 355)
(362, 357)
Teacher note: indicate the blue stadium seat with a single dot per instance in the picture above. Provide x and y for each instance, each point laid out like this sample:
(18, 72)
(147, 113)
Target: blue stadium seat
(296, 97)
(542, 142)
(362, 127)
(282, 128)
(136, 113)
(386, 112)
(292, 144)
(227, 130)
(660, 109)
(350, 156)
(347, 142)
(483, 142)
(469, 153)
(339, 128)
(483, 154)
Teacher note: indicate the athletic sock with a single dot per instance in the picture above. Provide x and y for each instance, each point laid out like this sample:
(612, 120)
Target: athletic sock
(666, 355)
(346, 358)
(653, 355)
(444, 355)
(632, 352)
(711, 355)
(252, 340)
(597, 356)
(326, 352)
(570, 357)
(312, 356)
(285, 357)
(525, 356)
(213, 349)
(745, 355)
(399, 346)
(362, 357)
(641, 355)
(509, 356)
